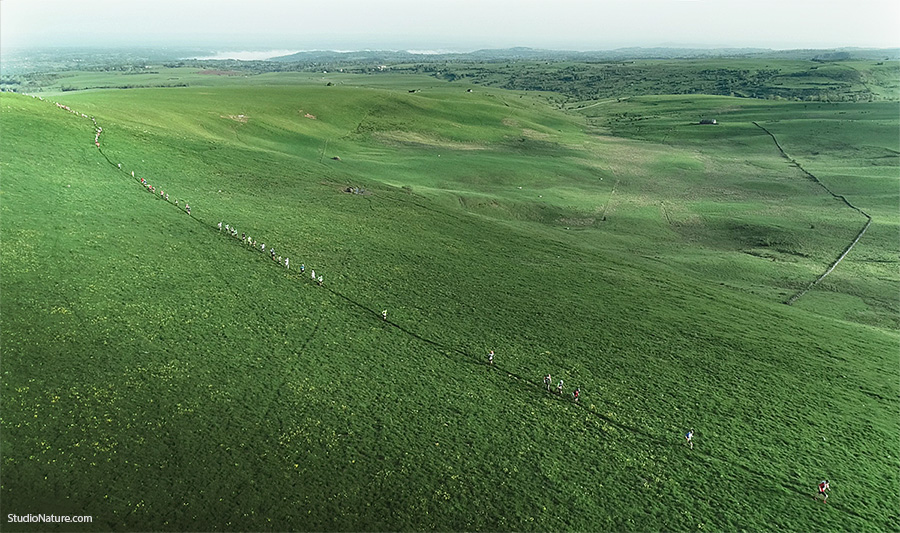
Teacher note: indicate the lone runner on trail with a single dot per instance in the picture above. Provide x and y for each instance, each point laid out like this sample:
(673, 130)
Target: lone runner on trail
(548, 381)
(384, 315)
(491, 357)
(559, 388)
(689, 438)
(824, 486)
(575, 394)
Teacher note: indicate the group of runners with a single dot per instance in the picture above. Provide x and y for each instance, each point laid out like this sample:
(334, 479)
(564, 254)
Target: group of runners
(548, 382)
(162, 194)
(823, 486)
(253, 244)
(97, 131)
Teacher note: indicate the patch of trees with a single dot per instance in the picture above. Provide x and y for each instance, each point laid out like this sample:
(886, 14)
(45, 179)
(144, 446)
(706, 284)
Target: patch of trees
(27, 83)
(589, 81)
(69, 88)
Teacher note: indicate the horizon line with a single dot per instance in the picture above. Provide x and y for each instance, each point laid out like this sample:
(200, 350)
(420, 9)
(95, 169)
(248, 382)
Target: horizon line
(421, 50)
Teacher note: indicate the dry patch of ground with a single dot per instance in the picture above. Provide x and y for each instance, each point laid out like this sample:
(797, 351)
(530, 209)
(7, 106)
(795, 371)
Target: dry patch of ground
(678, 215)
(424, 140)
(219, 72)
(238, 118)
(528, 133)
(577, 222)
(535, 135)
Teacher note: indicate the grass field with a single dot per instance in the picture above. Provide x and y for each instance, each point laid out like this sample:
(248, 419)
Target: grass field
(160, 375)
(850, 148)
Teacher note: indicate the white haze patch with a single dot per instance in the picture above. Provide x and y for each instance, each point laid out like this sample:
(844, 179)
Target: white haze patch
(247, 55)
(432, 52)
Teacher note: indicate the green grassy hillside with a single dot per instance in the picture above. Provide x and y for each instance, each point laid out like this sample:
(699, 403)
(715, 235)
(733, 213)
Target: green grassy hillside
(158, 374)
(852, 149)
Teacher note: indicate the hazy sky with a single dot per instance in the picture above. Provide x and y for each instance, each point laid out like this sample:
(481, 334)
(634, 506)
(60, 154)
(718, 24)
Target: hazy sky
(450, 24)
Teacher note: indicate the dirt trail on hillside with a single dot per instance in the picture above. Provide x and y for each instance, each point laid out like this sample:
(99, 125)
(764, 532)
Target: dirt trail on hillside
(795, 297)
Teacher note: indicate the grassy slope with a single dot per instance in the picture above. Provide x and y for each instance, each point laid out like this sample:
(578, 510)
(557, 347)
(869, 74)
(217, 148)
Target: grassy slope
(852, 148)
(165, 378)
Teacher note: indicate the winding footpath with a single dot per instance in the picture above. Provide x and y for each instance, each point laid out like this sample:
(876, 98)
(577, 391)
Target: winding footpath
(795, 297)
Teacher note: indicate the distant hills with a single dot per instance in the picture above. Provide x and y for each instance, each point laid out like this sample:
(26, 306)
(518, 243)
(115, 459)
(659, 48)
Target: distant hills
(19, 61)
(536, 54)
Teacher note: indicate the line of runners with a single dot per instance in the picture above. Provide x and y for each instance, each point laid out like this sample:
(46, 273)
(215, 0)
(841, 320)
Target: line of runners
(281, 261)
(187, 208)
(548, 381)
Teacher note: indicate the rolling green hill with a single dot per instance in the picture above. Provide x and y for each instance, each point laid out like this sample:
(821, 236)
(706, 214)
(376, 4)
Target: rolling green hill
(159, 374)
